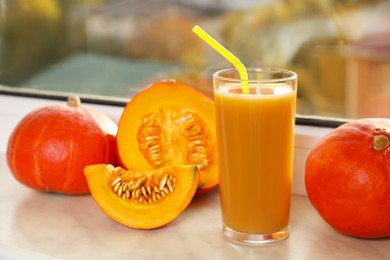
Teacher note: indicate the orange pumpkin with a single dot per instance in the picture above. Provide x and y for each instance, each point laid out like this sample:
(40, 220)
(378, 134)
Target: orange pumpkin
(348, 178)
(170, 124)
(50, 147)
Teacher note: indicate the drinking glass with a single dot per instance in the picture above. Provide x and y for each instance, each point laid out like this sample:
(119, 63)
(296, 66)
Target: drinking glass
(255, 137)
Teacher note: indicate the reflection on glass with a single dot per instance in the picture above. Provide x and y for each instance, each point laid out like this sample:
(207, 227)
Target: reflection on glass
(340, 49)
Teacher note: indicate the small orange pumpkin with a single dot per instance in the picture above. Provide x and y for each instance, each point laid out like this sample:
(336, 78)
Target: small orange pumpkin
(50, 147)
(347, 178)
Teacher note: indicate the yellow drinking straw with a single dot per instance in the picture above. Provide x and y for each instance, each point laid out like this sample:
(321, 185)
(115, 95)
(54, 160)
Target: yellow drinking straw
(227, 54)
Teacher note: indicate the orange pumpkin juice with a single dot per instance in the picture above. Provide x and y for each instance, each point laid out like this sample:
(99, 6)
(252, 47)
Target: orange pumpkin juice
(255, 146)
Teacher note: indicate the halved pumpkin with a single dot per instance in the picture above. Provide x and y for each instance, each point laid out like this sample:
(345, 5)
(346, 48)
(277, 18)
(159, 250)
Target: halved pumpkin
(142, 200)
(170, 124)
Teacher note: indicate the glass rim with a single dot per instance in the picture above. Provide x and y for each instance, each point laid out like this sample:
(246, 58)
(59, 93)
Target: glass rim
(290, 75)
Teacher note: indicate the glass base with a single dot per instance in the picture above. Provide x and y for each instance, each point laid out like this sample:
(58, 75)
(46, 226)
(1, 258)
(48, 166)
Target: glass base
(255, 239)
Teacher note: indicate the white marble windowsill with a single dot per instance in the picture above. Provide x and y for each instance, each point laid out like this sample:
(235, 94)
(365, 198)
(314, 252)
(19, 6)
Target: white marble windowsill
(35, 225)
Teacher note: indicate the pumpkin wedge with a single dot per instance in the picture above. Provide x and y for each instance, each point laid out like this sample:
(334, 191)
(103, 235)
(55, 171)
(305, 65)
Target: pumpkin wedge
(169, 124)
(142, 200)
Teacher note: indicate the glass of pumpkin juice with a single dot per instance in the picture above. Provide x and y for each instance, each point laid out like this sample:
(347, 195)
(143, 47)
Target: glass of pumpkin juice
(255, 137)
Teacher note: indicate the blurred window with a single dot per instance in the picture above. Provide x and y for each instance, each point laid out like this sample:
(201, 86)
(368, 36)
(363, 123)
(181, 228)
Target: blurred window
(115, 48)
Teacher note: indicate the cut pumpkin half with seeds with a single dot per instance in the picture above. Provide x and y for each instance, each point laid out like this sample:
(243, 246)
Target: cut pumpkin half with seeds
(142, 200)
(170, 124)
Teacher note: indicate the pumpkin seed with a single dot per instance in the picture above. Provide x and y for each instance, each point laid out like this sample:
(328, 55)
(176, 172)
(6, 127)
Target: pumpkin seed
(138, 193)
(125, 186)
(115, 181)
(156, 189)
(144, 192)
(120, 191)
(149, 190)
(163, 181)
(130, 185)
(116, 187)
(141, 181)
(170, 185)
(110, 168)
(166, 190)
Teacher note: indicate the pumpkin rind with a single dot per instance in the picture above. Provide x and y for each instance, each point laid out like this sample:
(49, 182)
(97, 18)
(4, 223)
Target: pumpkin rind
(50, 147)
(348, 178)
(137, 215)
(164, 99)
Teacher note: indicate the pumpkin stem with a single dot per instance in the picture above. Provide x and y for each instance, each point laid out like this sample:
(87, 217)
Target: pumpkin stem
(73, 101)
(169, 80)
(380, 142)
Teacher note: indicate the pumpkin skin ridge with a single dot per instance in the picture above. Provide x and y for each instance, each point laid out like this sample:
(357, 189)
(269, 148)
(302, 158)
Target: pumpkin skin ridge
(67, 164)
(70, 144)
(16, 142)
(365, 181)
(127, 129)
(36, 158)
(11, 156)
(68, 182)
(109, 155)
